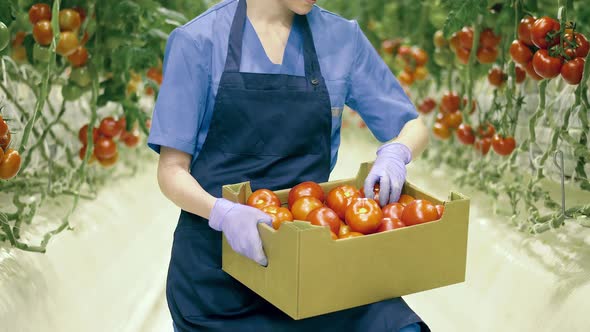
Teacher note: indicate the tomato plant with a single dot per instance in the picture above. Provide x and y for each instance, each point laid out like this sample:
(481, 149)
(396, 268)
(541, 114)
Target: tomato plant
(340, 197)
(324, 216)
(303, 206)
(278, 214)
(419, 212)
(303, 189)
(261, 198)
(363, 215)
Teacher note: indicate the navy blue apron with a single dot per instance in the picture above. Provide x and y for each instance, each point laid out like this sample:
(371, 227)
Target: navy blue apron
(272, 130)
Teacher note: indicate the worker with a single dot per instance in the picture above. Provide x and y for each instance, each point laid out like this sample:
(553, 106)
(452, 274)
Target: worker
(254, 90)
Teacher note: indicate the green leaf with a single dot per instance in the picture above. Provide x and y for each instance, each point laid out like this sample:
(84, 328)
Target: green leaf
(462, 13)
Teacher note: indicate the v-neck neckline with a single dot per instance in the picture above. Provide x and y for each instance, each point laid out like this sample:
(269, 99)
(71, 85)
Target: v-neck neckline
(286, 52)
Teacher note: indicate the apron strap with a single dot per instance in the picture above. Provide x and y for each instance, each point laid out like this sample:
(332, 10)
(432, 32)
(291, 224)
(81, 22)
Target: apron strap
(234, 50)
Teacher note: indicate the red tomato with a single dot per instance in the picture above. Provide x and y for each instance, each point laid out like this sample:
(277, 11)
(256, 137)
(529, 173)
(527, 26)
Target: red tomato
(427, 106)
(69, 20)
(466, 38)
(465, 134)
(278, 214)
(441, 131)
(43, 33)
(324, 216)
(520, 74)
(131, 139)
(405, 78)
(503, 146)
(9, 164)
(453, 119)
(262, 198)
(486, 131)
(5, 141)
(39, 12)
(531, 71)
(82, 134)
(67, 44)
(303, 189)
(545, 65)
(488, 39)
(351, 234)
(524, 30)
(389, 46)
(344, 230)
(303, 206)
(419, 212)
(487, 55)
(440, 209)
(545, 32)
(496, 77)
(572, 71)
(583, 45)
(155, 74)
(340, 197)
(108, 162)
(109, 127)
(363, 215)
(520, 52)
(420, 56)
(105, 148)
(421, 73)
(3, 126)
(450, 102)
(393, 210)
(463, 55)
(405, 199)
(454, 42)
(82, 154)
(483, 145)
(1, 153)
(388, 224)
(79, 57)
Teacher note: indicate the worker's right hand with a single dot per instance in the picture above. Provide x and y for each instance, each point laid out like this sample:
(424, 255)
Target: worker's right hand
(239, 223)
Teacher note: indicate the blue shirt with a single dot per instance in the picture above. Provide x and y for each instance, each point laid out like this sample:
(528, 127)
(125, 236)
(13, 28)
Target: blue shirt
(194, 60)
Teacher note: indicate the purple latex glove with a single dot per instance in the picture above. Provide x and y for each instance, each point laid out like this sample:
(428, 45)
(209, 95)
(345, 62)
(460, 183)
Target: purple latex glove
(239, 224)
(389, 170)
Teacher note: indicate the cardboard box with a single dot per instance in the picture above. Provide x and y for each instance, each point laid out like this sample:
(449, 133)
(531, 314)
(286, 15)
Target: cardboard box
(307, 270)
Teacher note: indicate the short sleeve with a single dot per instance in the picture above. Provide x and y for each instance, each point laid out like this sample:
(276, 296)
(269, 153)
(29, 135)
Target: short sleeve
(375, 93)
(182, 96)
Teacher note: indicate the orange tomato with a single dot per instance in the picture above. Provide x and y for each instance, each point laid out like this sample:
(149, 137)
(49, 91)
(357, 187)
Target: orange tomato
(388, 224)
(418, 212)
(279, 215)
(324, 216)
(363, 215)
(393, 210)
(351, 234)
(262, 198)
(303, 206)
(10, 164)
(344, 230)
(340, 197)
(303, 189)
(405, 199)
(108, 162)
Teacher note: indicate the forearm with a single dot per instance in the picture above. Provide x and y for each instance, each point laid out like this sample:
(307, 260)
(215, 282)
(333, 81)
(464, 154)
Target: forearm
(414, 135)
(179, 186)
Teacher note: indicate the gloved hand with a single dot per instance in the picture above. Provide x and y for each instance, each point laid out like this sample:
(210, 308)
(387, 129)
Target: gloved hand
(239, 223)
(389, 170)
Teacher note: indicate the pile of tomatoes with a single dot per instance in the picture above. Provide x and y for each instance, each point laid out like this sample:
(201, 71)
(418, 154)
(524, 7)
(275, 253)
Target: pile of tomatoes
(538, 49)
(461, 43)
(10, 159)
(104, 137)
(344, 210)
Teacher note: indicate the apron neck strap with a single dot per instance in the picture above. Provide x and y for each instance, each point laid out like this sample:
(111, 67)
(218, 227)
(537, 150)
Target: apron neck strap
(234, 50)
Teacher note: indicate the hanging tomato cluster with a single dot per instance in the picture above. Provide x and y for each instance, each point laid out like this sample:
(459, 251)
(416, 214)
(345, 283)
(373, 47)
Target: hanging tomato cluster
(449, 116)
(538, 50)
(461, 43)
(10, 160)
(413, 60)
(104, 137)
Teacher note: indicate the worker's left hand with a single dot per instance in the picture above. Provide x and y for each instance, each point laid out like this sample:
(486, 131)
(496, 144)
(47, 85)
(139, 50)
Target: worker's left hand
(389, 170)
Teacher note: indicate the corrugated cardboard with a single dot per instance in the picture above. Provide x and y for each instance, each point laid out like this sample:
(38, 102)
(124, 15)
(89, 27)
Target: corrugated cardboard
(308, 271)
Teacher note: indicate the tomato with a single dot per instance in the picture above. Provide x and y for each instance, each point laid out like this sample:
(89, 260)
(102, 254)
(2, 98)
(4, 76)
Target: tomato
(71, 92)
(1, 153)
(545, 32)
(487, 55)
(496, 77)
(39, 12)
(363, 215)
(69, 20)
(43, 33)
(393, 210)
(520, 74)
(486, 131)
(324, 216)
(463, 55)
(427, 106)
(278, 214)
(131, 139)
(81, 76)
(122, 124)
(108, 162)
(389, 46)
(441, 131)
(453, 119)
(340, 197)
(41, 54)
(450, 102)
(83, 132)
(439, 39)
(488, 39)
(419, 212)
(520, 52)
(524, 30)
(388, 224)
(404, 52)
(483, 145)
(303, 206)
(465, 134)
(351, 234)
(4, 36)
(105, 148)
(5, 141)
(303, 189)
(79, 57)
(466, 38)
(262, 198)
(82, 154)
(10, 164)
(405, 199)
(572, 71)
(545, 65)
(405, 78)
(3, 126)
(440, 209)
(454, 42)
(109, 127)
(421, 73)
(420, 56)
(155, 74)
(503, 146)
(531, 72)
(344, 230)
(67, 44)
(583, 46)
(81, 12)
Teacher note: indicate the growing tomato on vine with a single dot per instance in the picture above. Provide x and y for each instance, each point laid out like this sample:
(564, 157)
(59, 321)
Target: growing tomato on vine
(573, 70)
(545, 32)
(39, 12)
